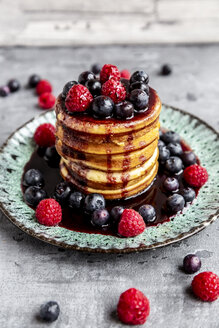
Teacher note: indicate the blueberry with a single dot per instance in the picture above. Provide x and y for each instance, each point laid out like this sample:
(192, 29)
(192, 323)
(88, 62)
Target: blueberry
(139, 76)
(140, 99)
(33, 195)
(76, 200)
(160, 144)
(126, 84)
(188, 194)
(94, 202)
(52, 157)
(49, 311)
(124, 110)
(96, 68)
(33, 80)
(174, 165)
(116, 213)
(164, 154)
(188, 158)
(102, 106)
(94, 86)
(100, 217)
(141, 86)
(170, 136)
(33, 177)
(175, 203)
(175, 148)
(191, 263)
(62, 192)
(4, 91)
(166, 70)
(67, 87)
(14, 85)
(160, 134)
(85, 76)
(171, 184)
(148, 213)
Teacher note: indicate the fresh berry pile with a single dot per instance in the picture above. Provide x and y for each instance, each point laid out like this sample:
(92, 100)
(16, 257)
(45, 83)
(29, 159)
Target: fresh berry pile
(111, 94)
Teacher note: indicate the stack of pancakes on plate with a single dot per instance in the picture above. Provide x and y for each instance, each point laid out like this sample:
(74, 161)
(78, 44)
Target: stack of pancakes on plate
(115, 158)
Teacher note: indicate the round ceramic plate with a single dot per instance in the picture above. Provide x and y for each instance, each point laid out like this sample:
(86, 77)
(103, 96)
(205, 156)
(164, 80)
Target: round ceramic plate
(202, 139)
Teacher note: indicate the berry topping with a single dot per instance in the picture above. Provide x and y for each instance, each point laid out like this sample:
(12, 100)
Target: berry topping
(44, 135)
(124, 110)
(33, 177)
(46, 100)
(100, 217)
(191, 263)
(164, 154)
(115, 90)
(133, 307)
(62, 192)
(76, 200)
(34, 80)
(49, 212)
(43, 86)
(188, 194)
(174, 165)
(195, 175)
(94, 202)
(139, 76)
(52, 157)
(131, 223)
(78, 98)
(175, 203)
(171, 184)
(140, 99)
(49, 311)
(4, 91)
(170, 136)
(148, 213)
(125, 82)
(102, 107)
(166, 70)
(96, 68)
(116, 213)
(109, 71)
(175, 149)
(188, 158)
(140, 85)
(67, 87)
(206, 286)
(14, 85)
(33, 195)
(86, 76)
(94, 86)
(125, 74)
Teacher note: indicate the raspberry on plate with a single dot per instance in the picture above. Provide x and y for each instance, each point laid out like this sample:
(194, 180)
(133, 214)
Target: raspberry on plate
(49, 212)
(133, 307)
(131, 223)
(78, 98)
(44, 135)
(125, 74)
(46, 100)
(115, 90)
(43, 86)
(109, 71)
(195, 175)
(206, 286)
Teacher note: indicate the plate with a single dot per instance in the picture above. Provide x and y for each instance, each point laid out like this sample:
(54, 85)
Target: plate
(202, 139)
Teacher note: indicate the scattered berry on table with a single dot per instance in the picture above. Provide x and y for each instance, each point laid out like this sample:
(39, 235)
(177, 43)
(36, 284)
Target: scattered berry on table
(49, 311)
(171, 184)
(94, 86)
(140, 85)
(195, 175)
(44, 135)
(96, 68)
(67, 87)
(76, 200)
(170, 136)
(191, 263)
(116, 213)
(148, 213)
(33, 177)
(133, 307)
(175, 149)
(14, 85)
(206, 286)
(188, 194)
(174, 165)
(164, 154)
(94, 202)
(102, 107)
(52, 157)
(78, 98)
(175, 203)
(140, 99)
(125, 74)
(100, 217)
(49, 212)
(86, 76)
(125, 82)
(124, 110)
(109, 71)
(139, 76)
(115, 90)
(33, 195)
(33, 80)
(131, 223)
(188, 158)
(46, 100)
(4, 91)
(62, 193)
(43, 86)
(166, 70)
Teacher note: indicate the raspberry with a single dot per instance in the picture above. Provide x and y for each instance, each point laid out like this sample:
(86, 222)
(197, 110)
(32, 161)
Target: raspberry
(78, 98)
(49, 212)
(131, 223)
(44, 135)
(43, 86)
(46, 100)
(125, 74)
(133, 307)
(206, 286)
(195, 175)
(115, 90)
(108, 71)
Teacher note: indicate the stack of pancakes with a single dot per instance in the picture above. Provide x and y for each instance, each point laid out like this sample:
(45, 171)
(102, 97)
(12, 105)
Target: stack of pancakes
(117, 159)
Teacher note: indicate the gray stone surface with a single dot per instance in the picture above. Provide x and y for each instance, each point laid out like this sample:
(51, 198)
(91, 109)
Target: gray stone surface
(87, 286)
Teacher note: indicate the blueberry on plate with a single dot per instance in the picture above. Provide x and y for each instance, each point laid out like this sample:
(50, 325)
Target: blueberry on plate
(139, 76)
(166, 70)
(62, 192)
(49, 311)
(174, 165)
(140, 85)
(96, 68)
(52, 157)
(76, 200)
(14, 85)
(175, 148)
(170, 136)
(67, 87)
(126, 84)
(160, 143)
(188, 194)
(102, 107)
(148, 213)
(160, 134)
(94, 202)
(33, 195)
(188, 158)
(164, 154)
(140, 99)
(116, 213)
(94, 86)
(175, 203)
(124, 110)
(171, 184)
(33, 177)
(85, 76)
(100, 217)
(33, 80)
(191, 263)
(4, 91)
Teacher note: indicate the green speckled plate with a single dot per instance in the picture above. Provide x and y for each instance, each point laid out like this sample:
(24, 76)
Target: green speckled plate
(202, 139)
